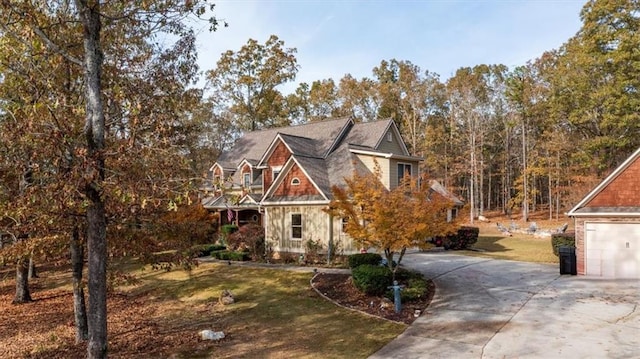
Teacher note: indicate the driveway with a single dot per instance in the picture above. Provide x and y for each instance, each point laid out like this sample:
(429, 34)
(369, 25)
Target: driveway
(486, 308)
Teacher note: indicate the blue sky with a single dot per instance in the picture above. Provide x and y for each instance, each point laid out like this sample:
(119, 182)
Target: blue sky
(334, 38)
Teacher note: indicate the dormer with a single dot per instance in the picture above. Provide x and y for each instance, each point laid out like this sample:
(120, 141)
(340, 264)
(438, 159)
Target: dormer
(246, 174)
(217, 175)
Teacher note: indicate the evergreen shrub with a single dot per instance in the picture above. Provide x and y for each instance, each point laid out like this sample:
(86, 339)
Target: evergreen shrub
(358, 259)
(372, 279)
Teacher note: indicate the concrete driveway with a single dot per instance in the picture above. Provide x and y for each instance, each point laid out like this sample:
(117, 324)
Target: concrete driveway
(485, 308)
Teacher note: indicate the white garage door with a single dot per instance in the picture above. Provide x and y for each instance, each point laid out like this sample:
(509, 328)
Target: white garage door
(612, 250)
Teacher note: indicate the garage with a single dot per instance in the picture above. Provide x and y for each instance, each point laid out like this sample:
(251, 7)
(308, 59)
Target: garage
(607, 224)
(612, 249)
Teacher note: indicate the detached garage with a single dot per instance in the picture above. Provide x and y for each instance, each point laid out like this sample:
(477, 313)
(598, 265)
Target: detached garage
(607, 225)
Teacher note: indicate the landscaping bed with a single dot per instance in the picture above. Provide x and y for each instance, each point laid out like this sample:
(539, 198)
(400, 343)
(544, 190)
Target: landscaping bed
(340, 289)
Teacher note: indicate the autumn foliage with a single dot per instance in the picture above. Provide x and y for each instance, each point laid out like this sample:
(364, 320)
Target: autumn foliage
(391, 220)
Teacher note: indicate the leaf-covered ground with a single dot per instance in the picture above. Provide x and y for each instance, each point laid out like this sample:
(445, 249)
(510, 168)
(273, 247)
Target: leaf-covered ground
(276, 315)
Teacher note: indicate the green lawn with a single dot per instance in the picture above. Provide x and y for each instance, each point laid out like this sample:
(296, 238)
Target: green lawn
(520, 247)
(276, 314)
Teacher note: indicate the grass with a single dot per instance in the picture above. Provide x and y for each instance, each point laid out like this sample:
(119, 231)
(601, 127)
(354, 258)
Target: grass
(276, 315)
(520, 247)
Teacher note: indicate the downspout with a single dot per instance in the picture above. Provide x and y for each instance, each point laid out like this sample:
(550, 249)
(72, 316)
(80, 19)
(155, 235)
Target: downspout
(330, 244)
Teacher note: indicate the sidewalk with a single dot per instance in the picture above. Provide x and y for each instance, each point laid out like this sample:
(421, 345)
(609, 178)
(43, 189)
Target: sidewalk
(289, 267)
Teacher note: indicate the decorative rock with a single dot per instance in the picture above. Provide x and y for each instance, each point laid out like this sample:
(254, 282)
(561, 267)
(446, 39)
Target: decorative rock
(385, 303)
(210, 335)
(226, 297)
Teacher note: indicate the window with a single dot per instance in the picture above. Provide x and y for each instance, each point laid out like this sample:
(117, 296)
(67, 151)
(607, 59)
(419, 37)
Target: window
(295, 181)
(403, 170)
(296, 226)
(276, 172)
(344, 223)
(246, 180)
(389, 137)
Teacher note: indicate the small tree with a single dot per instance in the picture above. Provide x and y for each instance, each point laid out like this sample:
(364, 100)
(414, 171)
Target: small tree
(391, 220)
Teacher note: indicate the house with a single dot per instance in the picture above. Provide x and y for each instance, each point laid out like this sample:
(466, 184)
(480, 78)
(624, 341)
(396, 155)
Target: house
(607, 224)
(281, 178)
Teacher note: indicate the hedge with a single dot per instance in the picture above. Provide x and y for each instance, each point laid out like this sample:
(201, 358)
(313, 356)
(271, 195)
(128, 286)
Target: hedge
(226, 255)
(558, 240)
(463, 239)
(358, 259)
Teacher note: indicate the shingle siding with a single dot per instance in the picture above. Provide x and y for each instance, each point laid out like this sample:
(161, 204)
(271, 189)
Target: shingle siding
(287, 188)
(623, 191)
(392, 147)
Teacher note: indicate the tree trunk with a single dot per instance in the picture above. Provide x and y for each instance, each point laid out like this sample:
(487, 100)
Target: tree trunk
(32, 268)
(525, 201)
(22, 282)
(89, 12)
(79, 308)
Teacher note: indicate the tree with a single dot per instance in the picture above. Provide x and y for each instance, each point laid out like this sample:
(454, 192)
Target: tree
(115, 158)
(468, 104)
(248, 80)
(390, 220)
(409, 97)
(358, 98)
(596, 83)
(317, 102)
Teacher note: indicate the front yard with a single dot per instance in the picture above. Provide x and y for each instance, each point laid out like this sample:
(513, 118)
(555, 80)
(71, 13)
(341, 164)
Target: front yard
(276, 315)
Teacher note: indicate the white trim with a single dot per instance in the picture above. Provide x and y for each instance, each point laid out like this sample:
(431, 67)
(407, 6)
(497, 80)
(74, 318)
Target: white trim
(404, 164)
(294, 203)
(301, 225)
(244, 161)
(247, 198)
(285, 169)
(386, 155)
(602, 185)
(272, 147)
(392, 126)
(605, 214)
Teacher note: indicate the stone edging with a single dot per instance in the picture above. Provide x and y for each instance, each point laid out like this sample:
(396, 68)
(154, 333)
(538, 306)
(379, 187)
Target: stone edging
(352, 309)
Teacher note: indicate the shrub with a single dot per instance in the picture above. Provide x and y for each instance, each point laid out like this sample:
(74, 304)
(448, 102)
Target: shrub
(187, 226)
(415, 286)
(249, 238)
(226, 255)
(312, 251)
(562, 239)
(227, 229)
(371, 279)
(356, 260)
(205, 249)
(463, 239)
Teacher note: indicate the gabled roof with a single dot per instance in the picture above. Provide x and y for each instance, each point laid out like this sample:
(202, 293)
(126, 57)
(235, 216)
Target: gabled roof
(297, 145)
(315, 171)
(439, 188)
(326, 151)
(253, 145)
(582, 208)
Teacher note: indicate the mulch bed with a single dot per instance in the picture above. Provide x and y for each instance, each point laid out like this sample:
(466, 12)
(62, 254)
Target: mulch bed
(340, 289)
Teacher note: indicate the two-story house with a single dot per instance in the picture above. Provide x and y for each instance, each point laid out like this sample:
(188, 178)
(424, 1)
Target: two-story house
(282, 177)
